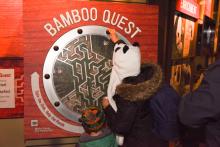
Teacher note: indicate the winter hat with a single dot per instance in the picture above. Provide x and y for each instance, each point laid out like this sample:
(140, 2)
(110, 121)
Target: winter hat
(126, 62)
(92, 119)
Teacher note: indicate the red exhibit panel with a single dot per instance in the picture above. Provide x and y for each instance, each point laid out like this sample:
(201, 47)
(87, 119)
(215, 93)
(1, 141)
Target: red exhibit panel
(68, 58)
(11, 29)
(11, 88)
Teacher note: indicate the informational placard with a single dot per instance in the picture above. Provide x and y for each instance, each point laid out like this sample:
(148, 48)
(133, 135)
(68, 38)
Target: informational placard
(183, 45)
(68, 58)
(7, 93)
(12, 87)
(181, 75)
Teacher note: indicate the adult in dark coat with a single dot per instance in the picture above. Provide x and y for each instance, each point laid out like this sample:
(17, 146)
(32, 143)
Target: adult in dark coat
(201, 108)
(135, 98)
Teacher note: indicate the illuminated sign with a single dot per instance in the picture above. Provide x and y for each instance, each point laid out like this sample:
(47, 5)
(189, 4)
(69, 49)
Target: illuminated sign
(189, 7)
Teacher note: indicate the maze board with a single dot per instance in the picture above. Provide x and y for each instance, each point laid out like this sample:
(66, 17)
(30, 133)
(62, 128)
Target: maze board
(81, 70)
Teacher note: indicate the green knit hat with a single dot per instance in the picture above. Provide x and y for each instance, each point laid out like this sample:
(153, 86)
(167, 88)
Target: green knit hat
(92, 119)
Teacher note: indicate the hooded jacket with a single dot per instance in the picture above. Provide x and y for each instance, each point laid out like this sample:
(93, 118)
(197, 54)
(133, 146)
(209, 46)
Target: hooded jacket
(134, 118)
(201, 108)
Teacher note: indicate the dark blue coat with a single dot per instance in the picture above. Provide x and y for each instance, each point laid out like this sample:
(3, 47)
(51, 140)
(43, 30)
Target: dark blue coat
(201, 108)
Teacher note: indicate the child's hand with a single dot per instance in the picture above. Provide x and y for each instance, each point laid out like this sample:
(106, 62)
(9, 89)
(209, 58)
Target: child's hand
(113, 36)
(105, 102)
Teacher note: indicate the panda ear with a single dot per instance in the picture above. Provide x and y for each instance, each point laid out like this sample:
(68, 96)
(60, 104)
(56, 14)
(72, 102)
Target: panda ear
(125, 49)
(117, 49)
(136, 44)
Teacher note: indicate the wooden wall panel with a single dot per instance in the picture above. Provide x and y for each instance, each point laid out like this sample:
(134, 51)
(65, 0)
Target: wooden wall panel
(38, 42)
(11, 28)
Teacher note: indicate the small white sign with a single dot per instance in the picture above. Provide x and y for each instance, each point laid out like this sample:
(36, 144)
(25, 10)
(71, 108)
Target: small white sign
(34, 123)
(7, 92)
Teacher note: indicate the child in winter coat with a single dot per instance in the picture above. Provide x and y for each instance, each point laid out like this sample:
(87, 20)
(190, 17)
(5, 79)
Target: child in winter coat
(139, 106)
(96, 133)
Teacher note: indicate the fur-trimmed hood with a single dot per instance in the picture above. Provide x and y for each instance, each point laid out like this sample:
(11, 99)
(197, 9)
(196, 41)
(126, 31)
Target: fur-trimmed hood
(143, 86)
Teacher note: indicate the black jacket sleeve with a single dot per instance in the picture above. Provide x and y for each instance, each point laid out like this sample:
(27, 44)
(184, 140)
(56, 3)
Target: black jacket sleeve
(121, 121)
(203, 105)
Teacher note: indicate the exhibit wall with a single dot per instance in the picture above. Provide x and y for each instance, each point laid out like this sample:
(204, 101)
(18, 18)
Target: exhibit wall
(68, 58)
(11, 59)
(11, 51)
(183, 50)
(11, 87)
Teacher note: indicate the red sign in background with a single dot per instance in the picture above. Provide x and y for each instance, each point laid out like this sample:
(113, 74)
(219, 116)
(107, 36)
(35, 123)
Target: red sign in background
(38, 41)
(189, 7)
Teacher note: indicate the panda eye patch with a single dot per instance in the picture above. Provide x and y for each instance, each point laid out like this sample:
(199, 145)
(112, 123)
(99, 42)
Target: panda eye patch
(117, 49)
(125, 49)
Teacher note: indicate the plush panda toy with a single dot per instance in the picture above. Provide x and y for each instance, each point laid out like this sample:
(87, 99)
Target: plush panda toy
(126, 62)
